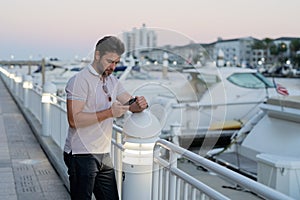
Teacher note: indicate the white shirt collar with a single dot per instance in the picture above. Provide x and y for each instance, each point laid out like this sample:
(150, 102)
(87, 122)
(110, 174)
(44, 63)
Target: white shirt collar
(93, 71)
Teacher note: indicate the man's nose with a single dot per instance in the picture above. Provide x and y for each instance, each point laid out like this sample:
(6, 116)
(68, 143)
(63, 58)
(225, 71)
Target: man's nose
(112, 66)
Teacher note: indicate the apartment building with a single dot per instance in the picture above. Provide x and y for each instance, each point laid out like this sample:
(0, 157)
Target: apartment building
(142, 43)
(139, 39)
(235, 52)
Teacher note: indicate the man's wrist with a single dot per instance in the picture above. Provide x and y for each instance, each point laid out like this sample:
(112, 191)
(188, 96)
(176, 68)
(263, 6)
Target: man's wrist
(110, 113)
(134, 108)
(102, 115)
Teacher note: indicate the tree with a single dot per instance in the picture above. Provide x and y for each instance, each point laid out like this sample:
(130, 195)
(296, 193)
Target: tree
(295, 45)
(258, 44)
(294, 48)
(268, 42)
(296, 61)
(265, 45)
(274, 50)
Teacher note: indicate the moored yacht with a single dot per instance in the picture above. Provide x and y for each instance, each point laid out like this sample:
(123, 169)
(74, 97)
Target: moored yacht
(267, 147)
(203, 102)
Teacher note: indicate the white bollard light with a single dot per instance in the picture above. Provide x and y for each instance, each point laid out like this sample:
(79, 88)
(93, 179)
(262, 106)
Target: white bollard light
(49, 89)
(141, 132)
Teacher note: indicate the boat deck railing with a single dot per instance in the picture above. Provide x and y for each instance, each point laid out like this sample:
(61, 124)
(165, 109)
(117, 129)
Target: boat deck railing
(47, 114)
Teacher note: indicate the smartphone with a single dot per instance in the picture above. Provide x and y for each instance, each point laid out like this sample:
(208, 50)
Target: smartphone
(131, 101)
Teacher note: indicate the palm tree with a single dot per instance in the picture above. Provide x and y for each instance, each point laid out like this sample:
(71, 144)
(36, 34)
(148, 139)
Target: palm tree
(268, 42)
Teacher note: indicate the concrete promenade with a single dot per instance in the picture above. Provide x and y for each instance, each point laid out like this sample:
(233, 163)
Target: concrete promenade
(25, 171)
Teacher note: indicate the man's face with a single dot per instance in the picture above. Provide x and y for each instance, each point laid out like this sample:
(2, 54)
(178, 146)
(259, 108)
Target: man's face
(107, 63)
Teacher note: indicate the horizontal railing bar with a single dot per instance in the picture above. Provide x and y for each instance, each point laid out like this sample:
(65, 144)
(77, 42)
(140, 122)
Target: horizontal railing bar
(197, 105)
(250, 184)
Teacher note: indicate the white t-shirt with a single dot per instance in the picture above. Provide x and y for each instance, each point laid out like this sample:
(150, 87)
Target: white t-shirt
(86, 86)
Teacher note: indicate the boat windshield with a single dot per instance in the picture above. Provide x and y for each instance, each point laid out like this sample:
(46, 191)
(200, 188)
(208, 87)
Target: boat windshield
(250, 80)
(209, 79)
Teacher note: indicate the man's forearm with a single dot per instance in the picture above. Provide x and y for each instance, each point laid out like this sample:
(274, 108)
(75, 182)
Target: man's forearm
(84, 119)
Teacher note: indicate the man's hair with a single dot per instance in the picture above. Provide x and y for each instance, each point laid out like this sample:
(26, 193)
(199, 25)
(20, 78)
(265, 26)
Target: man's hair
(110, 44)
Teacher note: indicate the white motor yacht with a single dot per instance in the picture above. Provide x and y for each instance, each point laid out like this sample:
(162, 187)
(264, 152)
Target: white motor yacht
(267, 147)
(207, 102)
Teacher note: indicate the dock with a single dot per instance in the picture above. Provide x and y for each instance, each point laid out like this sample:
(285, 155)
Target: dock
(25, 171)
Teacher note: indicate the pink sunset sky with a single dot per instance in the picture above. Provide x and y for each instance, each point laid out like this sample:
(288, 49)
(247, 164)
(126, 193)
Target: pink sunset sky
(69, 28)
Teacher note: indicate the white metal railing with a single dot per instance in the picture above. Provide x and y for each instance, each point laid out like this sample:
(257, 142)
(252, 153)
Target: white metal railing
(174, 183)
(58, 123)
(35, 103)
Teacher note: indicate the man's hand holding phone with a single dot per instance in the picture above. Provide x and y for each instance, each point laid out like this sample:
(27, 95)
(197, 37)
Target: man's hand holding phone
(137, 104)
(118, 109)
(131, 101)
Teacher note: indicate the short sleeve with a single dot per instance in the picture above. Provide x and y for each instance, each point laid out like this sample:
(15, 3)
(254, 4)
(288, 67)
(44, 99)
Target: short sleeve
(77, 89)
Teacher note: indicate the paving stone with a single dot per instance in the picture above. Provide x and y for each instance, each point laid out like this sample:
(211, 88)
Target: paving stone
(6, 186)
(25, 171)
(5, 163)
(5, 170)
(56, 196)
(31, 196)
(51, 186)
(6, 177)
(9, 197)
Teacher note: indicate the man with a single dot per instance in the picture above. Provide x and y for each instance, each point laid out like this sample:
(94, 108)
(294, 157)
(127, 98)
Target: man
(94, 98)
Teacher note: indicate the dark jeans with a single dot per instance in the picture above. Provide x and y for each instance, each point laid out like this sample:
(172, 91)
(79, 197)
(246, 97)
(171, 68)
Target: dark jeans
(91, 173)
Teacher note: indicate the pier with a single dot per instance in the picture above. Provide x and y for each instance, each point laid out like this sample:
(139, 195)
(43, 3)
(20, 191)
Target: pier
(25, 171)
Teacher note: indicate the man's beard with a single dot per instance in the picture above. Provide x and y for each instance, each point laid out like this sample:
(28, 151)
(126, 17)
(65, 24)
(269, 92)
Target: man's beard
(107, 72)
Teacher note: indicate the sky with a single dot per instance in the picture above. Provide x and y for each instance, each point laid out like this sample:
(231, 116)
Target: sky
(34, 29)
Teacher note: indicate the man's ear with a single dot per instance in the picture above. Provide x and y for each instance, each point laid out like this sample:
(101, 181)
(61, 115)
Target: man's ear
(97, 55)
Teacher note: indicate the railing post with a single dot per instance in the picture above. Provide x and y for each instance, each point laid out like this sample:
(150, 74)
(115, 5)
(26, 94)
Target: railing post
(48, 90)
(11, 80)
(17, 81)
(117, 158)
(165, 65)
(172, 177)
(27, 84)
(155, 174)
(141, 132)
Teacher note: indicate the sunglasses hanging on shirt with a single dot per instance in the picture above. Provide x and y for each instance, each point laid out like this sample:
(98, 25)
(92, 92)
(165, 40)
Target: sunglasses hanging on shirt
(105, 89)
